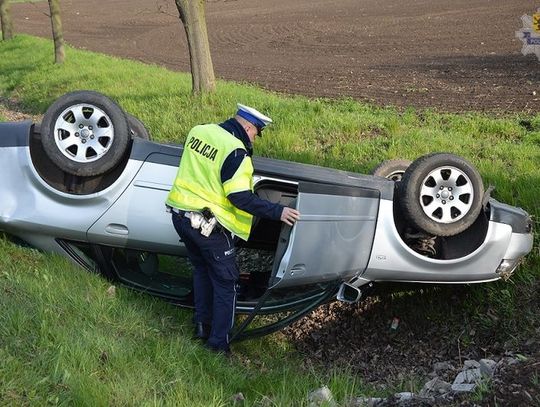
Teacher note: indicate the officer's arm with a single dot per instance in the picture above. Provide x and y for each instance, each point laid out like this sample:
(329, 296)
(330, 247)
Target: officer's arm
(245, 199)
(251, 203)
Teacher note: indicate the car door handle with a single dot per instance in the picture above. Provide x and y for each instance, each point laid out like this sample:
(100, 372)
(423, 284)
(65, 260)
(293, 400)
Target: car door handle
(298, 269)
(116, 229)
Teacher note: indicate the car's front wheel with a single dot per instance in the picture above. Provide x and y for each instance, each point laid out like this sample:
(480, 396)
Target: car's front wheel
(441, 194)
(85, 133)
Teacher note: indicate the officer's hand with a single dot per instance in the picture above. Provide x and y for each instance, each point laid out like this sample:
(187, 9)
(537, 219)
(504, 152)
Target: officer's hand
(289, 215)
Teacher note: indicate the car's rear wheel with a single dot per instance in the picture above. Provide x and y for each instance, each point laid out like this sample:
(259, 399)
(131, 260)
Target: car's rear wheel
(137, 128)
(391, 169)
(441, 194)
(85, 133)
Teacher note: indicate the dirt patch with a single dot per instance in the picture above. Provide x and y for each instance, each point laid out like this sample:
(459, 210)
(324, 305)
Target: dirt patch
(11, 111)
(517, 385)
(460, 55)
(394, 341)
(377, 340)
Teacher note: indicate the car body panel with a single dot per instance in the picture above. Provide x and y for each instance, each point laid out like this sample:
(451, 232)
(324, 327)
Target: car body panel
(138, 219)
(30, 204)
(393, 260)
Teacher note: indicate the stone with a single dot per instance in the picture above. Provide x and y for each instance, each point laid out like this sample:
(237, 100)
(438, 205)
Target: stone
(471, 364)
(487, 367)
(463, 387)
(111, 291)
(321, 396)
(238, 398)
(366, 402)
(404, 396)
(468, 376)
(435, 387)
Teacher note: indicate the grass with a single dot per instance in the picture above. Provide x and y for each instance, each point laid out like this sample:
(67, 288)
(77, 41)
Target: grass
(65, 341)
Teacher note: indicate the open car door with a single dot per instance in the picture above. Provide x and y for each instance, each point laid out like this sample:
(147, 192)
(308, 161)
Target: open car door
(332, 240)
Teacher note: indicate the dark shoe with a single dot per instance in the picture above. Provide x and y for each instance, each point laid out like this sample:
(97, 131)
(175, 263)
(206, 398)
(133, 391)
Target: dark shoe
(225, 352)
(202, 331)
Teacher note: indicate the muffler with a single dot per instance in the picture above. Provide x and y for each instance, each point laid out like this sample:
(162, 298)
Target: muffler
(350, 294)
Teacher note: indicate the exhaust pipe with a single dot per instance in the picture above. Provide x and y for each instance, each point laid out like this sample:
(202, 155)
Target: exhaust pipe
(350, 294)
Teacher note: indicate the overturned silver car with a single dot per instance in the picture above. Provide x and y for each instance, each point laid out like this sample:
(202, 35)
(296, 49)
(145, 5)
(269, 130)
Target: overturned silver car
(89, 184)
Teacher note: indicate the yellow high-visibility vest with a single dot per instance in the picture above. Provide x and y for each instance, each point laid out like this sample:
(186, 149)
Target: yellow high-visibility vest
(198, 180)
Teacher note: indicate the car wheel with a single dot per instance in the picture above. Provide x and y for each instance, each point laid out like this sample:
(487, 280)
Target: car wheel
(391, 169)
(85, 133)
(137, 128)
(441, 194)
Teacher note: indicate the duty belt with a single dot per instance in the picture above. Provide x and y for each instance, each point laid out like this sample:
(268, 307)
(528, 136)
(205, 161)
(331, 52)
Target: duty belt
(206, 227)
(180, 212)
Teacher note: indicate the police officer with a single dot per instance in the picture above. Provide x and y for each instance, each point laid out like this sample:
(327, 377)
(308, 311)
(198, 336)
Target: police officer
(212, 201)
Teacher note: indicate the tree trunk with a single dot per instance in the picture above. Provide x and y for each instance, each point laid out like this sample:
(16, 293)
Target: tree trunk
(5, 20)
(58, 34)
(194, 20)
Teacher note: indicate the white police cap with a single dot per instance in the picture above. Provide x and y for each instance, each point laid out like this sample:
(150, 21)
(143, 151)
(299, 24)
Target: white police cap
(253, 116)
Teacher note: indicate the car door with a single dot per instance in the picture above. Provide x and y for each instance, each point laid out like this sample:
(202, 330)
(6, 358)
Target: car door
(138, 219)
(333, 238)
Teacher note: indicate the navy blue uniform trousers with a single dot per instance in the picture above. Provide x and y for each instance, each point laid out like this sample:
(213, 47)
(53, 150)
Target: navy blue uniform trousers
(214, 278)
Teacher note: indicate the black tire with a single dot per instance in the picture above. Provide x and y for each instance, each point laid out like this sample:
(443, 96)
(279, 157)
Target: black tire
(137, 128)
(391, 169)
(93, 130)
(441, 194)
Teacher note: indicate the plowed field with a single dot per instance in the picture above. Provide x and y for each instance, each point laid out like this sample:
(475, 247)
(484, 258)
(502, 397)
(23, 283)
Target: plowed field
(450, 55)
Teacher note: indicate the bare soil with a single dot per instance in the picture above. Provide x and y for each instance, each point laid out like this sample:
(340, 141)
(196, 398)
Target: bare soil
(452, 56)
(10, 110)
(393, 340)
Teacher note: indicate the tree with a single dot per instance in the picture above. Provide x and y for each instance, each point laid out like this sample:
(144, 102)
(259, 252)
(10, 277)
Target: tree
(58, 34)
(5, 20)
(193, 18)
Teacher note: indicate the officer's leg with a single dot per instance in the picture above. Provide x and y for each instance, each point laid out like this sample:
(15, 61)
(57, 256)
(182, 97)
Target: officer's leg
(223, 311)
(224, 275)
(202, 285)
